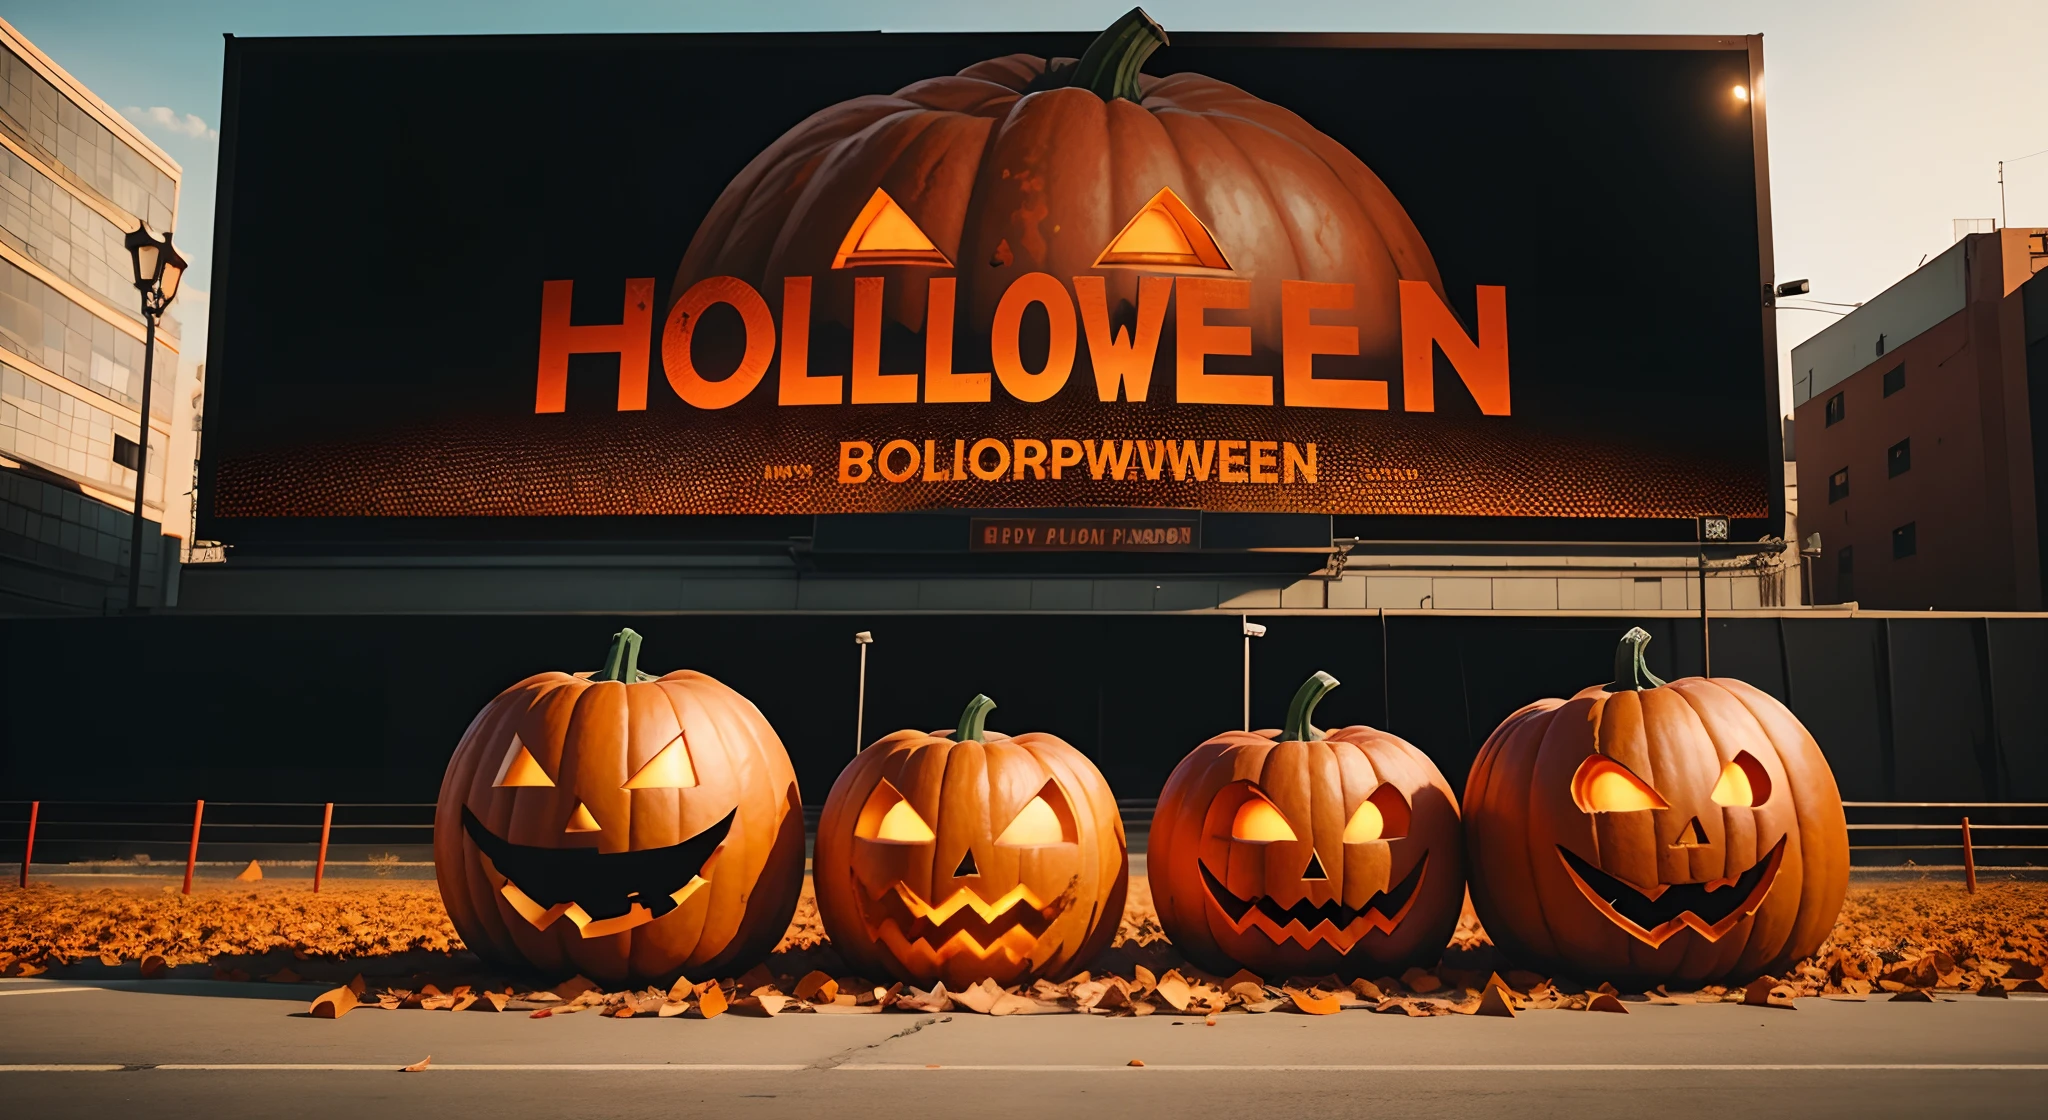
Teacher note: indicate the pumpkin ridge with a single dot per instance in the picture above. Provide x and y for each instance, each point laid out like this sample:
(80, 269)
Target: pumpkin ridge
(1551, 727)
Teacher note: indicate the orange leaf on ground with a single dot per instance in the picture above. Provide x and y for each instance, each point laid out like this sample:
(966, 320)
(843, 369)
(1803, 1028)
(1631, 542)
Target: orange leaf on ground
(1606, 1001)
(1496, 1002)
(251, 873)
(711, 1003)
(418, 1066)
(333, 1004)
(1135, 1062)
(1312, 1003)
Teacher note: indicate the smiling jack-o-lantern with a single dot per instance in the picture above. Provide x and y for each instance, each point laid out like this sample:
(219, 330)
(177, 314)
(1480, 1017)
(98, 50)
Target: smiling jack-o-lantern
(969, 857)
(988, 190)
(620, 825)
(1646, 832)
(1301, 852)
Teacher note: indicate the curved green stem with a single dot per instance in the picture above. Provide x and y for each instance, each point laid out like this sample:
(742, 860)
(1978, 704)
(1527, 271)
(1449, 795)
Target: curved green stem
(622, 662)
(1302, 709)
(972, 718)
(1109, 67)
(1630, 670)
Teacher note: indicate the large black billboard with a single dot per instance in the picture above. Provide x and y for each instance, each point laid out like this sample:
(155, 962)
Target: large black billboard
(1430, 281)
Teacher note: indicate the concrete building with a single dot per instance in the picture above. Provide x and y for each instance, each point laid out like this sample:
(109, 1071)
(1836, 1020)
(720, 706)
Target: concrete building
(1918, 416)
(75, 178)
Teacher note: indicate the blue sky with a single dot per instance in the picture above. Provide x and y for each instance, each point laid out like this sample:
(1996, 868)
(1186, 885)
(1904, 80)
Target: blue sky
(1887, 117)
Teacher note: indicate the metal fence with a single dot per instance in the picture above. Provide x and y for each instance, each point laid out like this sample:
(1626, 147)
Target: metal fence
(152, 837)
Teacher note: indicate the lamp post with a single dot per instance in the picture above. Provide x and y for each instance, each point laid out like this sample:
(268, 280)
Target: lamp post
(1809, 551)
(1251, 630)
(158, 268)
(1710, 529)
(864, 639)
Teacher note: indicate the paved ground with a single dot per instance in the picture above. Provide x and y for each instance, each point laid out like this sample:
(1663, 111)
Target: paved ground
(185, 1048)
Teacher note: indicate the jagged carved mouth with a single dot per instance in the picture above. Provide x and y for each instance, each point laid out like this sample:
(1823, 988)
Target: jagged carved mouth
(1711, 908)
(602, 893)
(1008, 926)
(1309, 925)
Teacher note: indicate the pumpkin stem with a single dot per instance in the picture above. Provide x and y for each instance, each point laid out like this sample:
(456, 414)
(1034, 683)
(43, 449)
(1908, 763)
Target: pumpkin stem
(1302, 709)
(1630, 670)
(622, 663)
(1109, 67)
(972, 719)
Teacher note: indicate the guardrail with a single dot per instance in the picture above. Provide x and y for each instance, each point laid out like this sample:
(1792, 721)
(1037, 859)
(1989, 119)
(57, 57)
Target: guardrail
(124, 831)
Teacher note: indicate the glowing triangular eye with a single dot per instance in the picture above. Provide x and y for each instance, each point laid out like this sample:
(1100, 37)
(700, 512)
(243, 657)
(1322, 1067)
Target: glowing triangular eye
(1164, 234)
(902, 825)
(520, 769)
(669, 769)
(884, 234)
(1744, 783)
(1603, 785)
(1367, 823)
(1260, 823)
(1036, 823)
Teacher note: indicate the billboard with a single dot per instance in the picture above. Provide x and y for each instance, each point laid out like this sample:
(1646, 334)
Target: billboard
(1420, 279)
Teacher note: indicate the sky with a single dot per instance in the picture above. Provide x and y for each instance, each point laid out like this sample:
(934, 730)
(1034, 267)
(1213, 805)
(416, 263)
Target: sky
(1887, 118)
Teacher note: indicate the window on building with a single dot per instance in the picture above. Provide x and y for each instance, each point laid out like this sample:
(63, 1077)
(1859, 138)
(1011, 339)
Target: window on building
(1898, 459)
(1838, 485)
(1894, 379)
(1836, 410)
(1845, 574)
(126, 452)
(1905, 540)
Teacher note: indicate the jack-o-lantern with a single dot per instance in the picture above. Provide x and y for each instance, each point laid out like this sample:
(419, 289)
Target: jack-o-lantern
(620, 825)
(1044, 170)
(970, 856)
(1300, 852)
(1645, 832)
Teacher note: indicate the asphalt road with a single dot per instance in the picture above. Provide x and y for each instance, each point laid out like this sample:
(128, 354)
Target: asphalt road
(190, 1048)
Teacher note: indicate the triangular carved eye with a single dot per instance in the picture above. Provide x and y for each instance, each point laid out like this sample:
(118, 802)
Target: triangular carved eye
(884, 234)
(1603, 785)
(891, 819)
(1045, 819)
(669, 769)
(520, 768)
(1164, 234)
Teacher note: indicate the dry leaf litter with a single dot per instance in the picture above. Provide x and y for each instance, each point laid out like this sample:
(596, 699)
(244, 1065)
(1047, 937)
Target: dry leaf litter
(389, 945)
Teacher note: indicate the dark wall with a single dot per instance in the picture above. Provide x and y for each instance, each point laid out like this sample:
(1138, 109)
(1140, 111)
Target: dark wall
(369, 708)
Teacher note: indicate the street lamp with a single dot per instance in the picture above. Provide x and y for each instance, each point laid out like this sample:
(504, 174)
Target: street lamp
(1809, 551)
(864, 639)
(1251, 630)
(158, 268)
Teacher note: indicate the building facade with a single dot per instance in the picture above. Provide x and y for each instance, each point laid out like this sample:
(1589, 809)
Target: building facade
(75, 178)
(1918, 417)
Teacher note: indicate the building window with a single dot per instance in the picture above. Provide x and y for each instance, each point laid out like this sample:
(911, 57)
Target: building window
(1838, 485)
(125, 452)
(1845, 574)
(1836, 410)
(1894, 379)
(1905, 540)
(1898, 459)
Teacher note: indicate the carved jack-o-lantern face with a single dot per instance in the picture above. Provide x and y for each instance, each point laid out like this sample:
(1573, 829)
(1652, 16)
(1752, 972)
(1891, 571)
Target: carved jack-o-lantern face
(619, 825)
(1650, 832)
(970, 857)
(1299, 851)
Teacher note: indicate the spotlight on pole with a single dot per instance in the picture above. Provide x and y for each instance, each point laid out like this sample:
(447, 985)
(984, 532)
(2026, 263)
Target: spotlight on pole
(863, 639)
(1251, 630)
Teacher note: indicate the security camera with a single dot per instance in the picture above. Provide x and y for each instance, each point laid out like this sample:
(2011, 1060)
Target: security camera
(1254, 630)
(863, 638)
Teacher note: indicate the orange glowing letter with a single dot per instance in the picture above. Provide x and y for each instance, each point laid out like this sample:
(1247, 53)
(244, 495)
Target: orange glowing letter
(682, 324)
(1123, 357)
(1483, 365)
(870, 384)
(1301, 339)
(794, 385)
(1040, 288)
(1193, 295)
(626, 338)
(941, 384)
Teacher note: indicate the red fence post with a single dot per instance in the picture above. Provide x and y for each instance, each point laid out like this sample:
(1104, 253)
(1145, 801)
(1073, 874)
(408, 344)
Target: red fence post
(28, 851)
(320, 865)
(192, 854)
(1969, 860)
